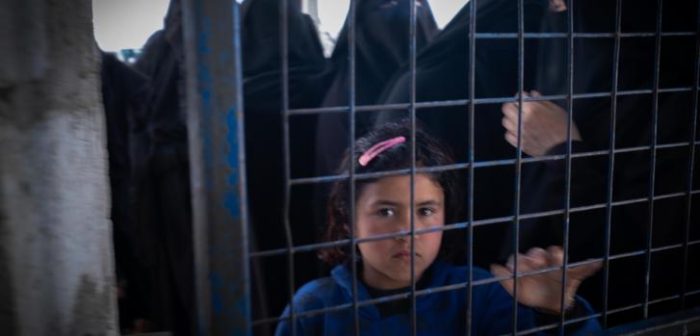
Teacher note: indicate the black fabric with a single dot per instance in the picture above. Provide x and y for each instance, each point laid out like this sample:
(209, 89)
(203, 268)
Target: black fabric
(574, 312)
(544, 184)
(158, 148)
(160, 289)
(442, 73)
(382, 43)
(396, 306)
(264, 137)
(393, 307)
(161, 187)
(123, 91)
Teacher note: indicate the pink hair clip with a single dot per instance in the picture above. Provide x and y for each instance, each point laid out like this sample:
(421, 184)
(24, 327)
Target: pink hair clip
(378, 149)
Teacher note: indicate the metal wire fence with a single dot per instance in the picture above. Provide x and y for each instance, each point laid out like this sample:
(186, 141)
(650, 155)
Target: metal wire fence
(222, 129)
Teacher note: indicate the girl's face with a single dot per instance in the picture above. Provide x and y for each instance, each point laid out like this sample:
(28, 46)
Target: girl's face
(384, 207)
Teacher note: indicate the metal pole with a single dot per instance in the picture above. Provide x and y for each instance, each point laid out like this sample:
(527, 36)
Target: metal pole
(216, 145)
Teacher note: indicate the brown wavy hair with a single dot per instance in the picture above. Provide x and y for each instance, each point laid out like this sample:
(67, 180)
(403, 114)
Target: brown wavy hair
(429, 153)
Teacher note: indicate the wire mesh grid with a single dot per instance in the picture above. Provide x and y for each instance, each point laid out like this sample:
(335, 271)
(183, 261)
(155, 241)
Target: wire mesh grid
(469, 104)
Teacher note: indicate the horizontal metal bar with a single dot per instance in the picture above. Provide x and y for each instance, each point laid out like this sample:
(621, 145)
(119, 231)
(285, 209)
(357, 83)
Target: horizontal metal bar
(448, 227)
(654, 325)
(422, 292)
(667, 196)
(455, 226)
(628, 255)
(556, 324)
(539, 271)
(478, 101)
(482, 282)
(462, 225)
(373, 175)
(309, 313)
(655, 301)
(624, 309)
(481, 164)
(342, 242)
(647, 326)
(674, 145)
(541, 36)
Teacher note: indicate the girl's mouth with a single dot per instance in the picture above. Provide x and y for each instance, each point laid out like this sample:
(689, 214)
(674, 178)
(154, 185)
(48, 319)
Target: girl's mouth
(404, 255)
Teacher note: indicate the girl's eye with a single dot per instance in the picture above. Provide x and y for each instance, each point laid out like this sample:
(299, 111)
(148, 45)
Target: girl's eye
(386, 212)
(426, 211)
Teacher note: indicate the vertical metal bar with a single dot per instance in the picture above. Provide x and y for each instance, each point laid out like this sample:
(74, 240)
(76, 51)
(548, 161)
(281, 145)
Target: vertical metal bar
(652, 169)
(691, 163)
(569, 123)
(284, 59)
(214, 102)
(518, 161)
(611, 163)
(471, 155)
(412, 110)
(351, 102)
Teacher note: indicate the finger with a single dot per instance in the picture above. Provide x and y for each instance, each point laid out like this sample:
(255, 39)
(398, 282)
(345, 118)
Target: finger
(557, 6)
(538, 257)
(512, 139)
(555, 256)
(541, 104)
(510, 262)
(509, 124)
(510, 110)
(584, 271)
(536, 252)
(527, 264)
(522, 93)
(503, 272)
(552, 108)
(576, 276)
(531, 108)
(575, 134)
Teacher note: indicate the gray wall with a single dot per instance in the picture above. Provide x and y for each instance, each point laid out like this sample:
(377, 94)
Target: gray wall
(56, 268)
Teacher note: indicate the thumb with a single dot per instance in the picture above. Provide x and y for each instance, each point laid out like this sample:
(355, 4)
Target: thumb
(582, 272)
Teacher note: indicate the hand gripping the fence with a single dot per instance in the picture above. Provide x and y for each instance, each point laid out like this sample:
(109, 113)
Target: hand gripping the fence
(543, 291)
(544, 125)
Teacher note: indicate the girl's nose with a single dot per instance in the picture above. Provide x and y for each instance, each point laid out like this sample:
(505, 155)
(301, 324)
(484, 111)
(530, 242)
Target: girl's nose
(405, 227)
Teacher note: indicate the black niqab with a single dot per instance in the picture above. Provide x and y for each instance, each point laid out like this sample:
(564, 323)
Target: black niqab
(382, 40)
(593, 73)
(264, 138)
(442, 73)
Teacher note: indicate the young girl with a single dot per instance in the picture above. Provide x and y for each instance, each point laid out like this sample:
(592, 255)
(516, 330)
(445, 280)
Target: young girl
(382, 207)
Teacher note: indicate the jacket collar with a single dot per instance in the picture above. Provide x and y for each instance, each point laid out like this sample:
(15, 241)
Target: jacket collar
(342, 274)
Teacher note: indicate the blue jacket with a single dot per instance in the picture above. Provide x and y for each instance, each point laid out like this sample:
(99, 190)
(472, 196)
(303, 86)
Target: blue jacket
(439, 313)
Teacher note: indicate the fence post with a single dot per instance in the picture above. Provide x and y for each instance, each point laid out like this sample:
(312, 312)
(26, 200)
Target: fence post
(216, 144)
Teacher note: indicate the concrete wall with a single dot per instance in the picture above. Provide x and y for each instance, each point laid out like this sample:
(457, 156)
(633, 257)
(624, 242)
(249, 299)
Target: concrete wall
(56, 268)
